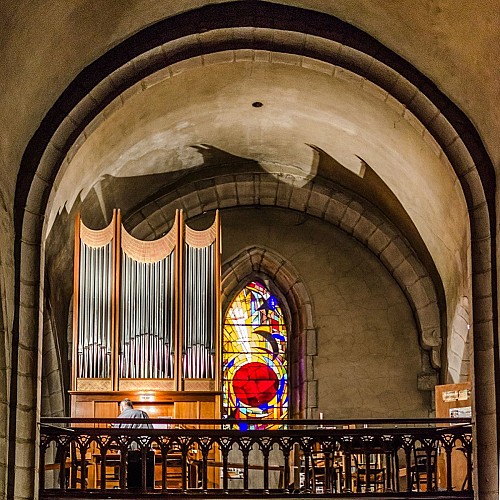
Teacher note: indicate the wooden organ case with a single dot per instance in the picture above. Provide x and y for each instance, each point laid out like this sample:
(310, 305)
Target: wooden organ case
(147, 321)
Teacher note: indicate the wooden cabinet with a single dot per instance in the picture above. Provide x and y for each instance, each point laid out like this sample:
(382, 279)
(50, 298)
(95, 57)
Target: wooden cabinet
(184, 405)
(178, 405)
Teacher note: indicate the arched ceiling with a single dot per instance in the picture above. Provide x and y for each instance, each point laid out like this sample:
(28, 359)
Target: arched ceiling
(315, 120)
(44, 45)
(436, 37)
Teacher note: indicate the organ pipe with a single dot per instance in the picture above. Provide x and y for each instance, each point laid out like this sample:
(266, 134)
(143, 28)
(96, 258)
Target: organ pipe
(146, 309)
(93, 301)
(147, 306)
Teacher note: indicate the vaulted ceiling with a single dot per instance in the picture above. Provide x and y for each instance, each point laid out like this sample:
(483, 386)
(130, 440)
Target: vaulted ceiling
(283, 98)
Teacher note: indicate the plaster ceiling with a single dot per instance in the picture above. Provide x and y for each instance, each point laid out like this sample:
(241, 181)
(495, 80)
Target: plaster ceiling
(202, 116)
(44, 45)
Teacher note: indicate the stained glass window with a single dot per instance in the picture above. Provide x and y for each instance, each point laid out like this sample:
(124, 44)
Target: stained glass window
(254, 370)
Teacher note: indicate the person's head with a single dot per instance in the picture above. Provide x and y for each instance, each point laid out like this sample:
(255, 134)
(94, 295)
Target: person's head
(126, 404)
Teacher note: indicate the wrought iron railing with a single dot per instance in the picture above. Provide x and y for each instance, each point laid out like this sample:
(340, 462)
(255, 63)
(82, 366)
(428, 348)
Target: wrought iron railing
(389, 458)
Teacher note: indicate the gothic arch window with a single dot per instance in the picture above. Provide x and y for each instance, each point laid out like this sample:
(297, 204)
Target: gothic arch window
(254, 361)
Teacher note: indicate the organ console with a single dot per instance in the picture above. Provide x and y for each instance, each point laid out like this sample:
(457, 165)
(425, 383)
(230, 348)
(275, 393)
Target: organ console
(147, 320)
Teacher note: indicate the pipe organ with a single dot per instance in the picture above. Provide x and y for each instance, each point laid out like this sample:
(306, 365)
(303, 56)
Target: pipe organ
(146, 317)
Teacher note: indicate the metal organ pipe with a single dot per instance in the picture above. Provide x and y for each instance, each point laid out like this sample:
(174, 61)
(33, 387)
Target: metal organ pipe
(147, 319)
(94, 312)
(146, 306)
(199, 312)
(80, 361)
(99, 308)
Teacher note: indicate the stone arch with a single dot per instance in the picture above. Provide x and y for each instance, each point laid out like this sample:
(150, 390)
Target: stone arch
(52, 404)
(322, 199)
(141, 55)
(460, 350)
(256, 262)
(4, 384)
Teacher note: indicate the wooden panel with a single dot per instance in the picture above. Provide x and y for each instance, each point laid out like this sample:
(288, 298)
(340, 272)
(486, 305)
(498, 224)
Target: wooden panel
(452, 396)
(82, 409)
(156, 410)
(152, 396)
(188, 405)
(448, 398)
(137, 384)
(93, 384)
(199, 384)
(106, 409)
(186, 409)
(207, 409)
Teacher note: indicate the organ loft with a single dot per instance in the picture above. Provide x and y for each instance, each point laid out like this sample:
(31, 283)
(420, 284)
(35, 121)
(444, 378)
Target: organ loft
(147, 321)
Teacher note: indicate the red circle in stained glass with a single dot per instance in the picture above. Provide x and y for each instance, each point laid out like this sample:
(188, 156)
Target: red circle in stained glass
(255, 384)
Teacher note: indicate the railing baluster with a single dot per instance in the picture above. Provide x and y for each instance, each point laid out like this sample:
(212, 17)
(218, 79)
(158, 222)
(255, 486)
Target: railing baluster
(409, 477)
(62, 467)
(389, 476)
(143, 469)
(163, 469)
(225, 471)
(327, 486)
(83, 467)
(184, 469)
(307, 471)
(205, 470)
(449, 480)
(429, 470)
(266, 471)
(347, 472)
(396, 470)
(286, 473)
(41, 478)
(245, 470)
(73, 462)
(123, 468)
(469, 469)
(103, 469)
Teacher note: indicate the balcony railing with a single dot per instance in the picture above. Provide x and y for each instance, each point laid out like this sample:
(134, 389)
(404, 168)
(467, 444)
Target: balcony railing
(385, 458)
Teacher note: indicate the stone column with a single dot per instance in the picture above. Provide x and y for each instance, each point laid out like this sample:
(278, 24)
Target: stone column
(27, 371)
(484, 360)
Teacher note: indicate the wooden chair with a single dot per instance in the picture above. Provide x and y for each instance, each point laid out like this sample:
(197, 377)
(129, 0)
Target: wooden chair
(423, 472)
(372, 478)
(326, 473)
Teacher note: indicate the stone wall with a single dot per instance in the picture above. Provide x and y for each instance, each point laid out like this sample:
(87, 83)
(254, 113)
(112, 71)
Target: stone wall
(365, 356)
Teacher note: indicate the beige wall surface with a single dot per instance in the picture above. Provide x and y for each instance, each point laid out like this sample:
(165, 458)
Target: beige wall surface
(367, 355)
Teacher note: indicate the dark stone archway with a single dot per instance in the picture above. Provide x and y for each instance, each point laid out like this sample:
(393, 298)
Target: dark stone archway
(182, 37)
